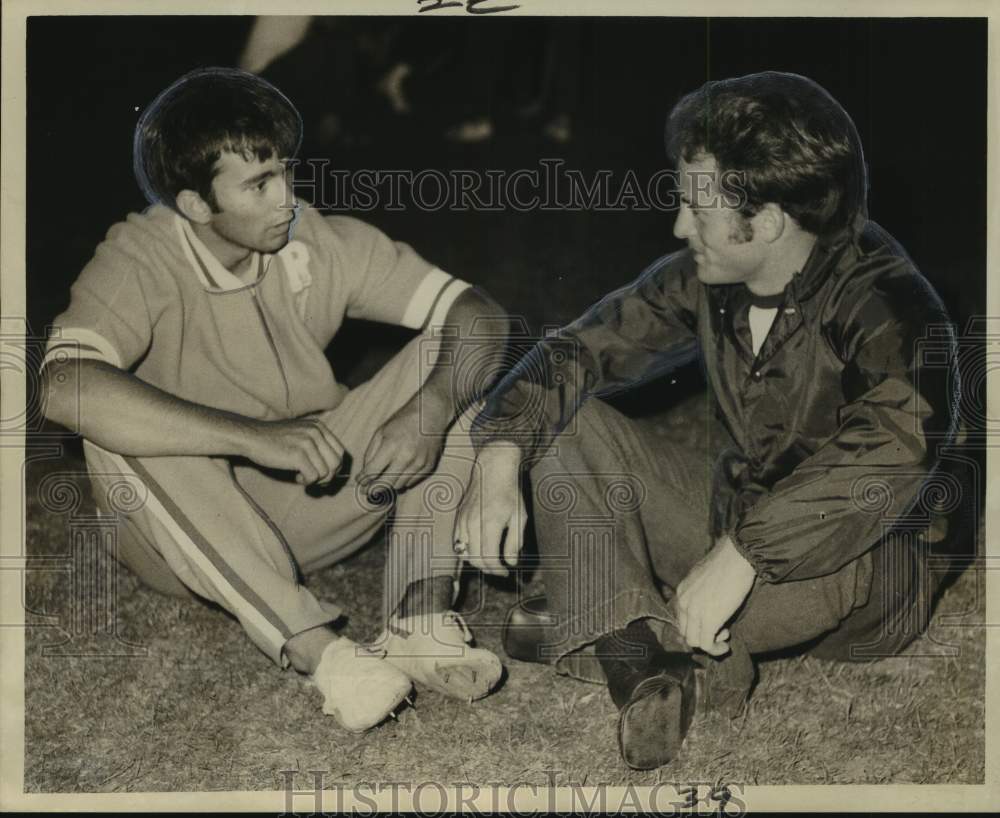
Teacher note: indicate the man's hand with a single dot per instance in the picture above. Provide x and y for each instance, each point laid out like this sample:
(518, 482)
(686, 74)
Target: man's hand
(710, 594)
(406, 448)
(303, 445)
(493, 504)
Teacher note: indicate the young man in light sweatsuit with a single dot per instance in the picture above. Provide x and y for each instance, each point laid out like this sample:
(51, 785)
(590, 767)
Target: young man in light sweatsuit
(191, 360)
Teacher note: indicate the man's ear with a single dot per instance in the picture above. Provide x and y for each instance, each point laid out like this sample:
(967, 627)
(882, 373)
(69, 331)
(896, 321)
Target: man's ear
(193, 207)
(769, 222)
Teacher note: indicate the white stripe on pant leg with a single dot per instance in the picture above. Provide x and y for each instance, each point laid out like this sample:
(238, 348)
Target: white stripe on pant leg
(249, 616)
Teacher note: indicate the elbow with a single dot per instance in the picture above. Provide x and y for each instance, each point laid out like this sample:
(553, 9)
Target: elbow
(500, 321)
(482, 316)
(59, 392)
(485, 305)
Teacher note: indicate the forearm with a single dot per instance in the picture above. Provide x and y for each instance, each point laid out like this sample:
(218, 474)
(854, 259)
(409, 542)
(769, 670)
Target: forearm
(632, 335)
(126, 415)
(476, 337)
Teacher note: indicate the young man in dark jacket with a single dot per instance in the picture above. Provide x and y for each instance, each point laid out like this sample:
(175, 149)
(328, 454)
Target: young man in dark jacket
(808, 319)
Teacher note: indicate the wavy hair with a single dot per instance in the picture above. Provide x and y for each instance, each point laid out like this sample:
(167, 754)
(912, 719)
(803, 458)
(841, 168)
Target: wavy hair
(181, 135)
(790, 142)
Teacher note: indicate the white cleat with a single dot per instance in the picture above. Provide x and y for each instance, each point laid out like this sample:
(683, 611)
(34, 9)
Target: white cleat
(435, 650)
(360, 688)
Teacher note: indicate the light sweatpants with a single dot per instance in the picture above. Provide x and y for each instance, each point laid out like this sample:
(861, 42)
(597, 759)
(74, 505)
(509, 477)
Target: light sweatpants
(244, 537)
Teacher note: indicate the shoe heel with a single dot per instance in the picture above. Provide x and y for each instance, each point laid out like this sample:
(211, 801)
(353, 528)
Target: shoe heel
(527, 629)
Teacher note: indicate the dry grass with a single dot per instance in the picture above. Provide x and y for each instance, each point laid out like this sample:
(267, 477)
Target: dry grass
(202, 709)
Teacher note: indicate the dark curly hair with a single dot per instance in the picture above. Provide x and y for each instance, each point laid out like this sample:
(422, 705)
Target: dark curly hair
(790, 142)
(181, 135)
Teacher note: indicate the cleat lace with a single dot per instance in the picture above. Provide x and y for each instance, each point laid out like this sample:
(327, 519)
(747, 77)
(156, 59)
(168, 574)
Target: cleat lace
(453, 617)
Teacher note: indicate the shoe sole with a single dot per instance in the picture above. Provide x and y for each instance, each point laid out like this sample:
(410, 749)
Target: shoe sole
(652, 727)
(449, 680)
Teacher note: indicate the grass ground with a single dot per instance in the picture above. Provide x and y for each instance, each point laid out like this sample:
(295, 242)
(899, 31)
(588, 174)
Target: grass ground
(199, 708)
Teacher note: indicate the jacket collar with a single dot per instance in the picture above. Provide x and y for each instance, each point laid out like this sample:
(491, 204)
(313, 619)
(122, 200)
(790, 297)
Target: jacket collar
(821, 264)
(824, 261)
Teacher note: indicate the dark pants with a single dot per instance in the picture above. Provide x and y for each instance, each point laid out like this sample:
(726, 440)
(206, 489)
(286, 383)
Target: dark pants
(622, 515)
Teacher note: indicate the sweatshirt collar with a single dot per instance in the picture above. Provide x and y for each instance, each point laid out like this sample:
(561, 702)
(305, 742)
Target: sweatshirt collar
(209, 270)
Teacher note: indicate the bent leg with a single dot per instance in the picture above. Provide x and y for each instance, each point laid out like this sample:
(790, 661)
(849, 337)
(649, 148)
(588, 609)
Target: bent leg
(623, 515)
(202, 527)
(324, 526)
(421, 567)
(898, 608)
(618, 509)
(783, 615)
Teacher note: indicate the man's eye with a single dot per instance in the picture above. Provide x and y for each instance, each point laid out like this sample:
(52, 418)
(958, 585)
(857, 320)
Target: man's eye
(262, 184)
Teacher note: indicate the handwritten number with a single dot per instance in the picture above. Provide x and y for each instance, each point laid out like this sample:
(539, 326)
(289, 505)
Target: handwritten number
(471, 6)
(474, 4)
(437, 4)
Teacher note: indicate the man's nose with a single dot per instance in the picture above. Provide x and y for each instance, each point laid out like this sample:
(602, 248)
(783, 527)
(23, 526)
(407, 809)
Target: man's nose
(683, 223)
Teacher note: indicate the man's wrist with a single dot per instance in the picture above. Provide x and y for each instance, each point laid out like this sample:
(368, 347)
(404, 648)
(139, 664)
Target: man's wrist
(236, 435)
(500, 455)
(728, 542)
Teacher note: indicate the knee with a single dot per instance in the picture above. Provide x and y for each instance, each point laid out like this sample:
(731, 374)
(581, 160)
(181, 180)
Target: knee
(583, 443)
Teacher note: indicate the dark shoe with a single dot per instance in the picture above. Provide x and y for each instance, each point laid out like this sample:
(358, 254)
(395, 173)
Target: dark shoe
(529, 627)
(727, 682)
(655, 692)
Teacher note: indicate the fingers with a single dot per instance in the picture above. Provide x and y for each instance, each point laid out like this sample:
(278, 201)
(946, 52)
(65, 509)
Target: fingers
(714, 647)
(319, 452)
(396, 469)
(330, 453)
(383, 457)
(469, 511)
(461, 533)
(480, 536)
(484, 549)
(698, 632)
(377, 460)
(401, 463)
(309, 461)
(331, 439)
(487, 526)
(515, 533)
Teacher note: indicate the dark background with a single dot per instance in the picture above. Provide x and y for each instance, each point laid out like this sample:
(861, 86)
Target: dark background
(916, 89)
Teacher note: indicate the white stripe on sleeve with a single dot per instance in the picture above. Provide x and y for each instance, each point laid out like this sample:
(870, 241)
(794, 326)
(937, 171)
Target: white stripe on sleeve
(444, 302)
(80, 343)
(423, 300)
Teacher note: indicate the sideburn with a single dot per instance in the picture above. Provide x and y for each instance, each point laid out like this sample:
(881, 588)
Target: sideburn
(740, 229)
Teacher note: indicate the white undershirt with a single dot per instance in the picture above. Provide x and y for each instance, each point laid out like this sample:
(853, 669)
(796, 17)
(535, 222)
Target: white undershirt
(760, 320)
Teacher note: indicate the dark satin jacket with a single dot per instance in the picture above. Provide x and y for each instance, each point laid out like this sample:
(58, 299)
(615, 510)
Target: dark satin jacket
(836, 420)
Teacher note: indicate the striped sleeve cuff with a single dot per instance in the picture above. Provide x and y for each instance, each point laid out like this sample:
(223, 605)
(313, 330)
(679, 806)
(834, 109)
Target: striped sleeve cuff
(79, 343)
(433, 298)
